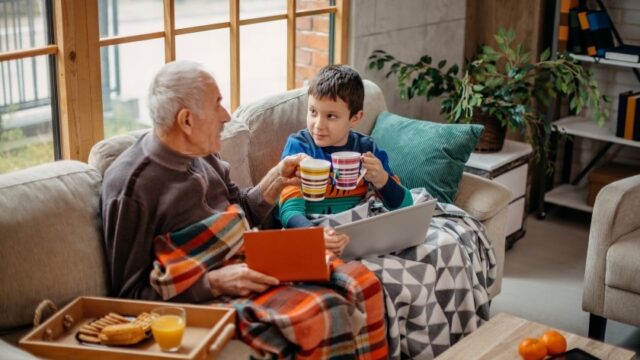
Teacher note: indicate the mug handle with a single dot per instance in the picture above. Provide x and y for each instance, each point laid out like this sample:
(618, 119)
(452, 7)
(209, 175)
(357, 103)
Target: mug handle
(362, 174)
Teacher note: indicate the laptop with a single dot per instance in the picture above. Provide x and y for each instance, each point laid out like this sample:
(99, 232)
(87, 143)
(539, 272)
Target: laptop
(288, 255)
(388, 232)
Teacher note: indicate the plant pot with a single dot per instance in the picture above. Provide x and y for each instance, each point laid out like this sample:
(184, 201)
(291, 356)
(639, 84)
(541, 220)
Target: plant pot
(492, 138)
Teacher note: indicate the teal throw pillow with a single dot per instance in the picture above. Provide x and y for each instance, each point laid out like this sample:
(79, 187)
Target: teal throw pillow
(426, 154)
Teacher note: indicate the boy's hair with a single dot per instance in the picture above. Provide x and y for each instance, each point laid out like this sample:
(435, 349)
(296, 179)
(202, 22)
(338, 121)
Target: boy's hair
(339, 81)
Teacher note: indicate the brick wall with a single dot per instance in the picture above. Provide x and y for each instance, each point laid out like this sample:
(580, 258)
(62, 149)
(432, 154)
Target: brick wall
(312, 42)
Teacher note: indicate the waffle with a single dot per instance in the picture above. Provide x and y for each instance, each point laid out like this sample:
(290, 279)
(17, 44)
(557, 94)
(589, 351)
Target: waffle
(90, 332)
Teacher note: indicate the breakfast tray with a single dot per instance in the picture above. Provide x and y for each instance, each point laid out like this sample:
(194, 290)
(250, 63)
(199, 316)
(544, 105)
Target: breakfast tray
(209, 329)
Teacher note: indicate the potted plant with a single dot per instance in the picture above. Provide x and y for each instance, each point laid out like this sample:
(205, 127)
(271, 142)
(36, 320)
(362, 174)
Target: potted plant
(500, 88)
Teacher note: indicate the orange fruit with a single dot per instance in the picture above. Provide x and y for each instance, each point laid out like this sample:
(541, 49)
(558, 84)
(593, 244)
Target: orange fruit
(555, 342)
(532, 349)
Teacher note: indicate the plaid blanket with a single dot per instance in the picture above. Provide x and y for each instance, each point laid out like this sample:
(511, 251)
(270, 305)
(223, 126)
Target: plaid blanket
(183, 256)
(341, 319)
(435, 293)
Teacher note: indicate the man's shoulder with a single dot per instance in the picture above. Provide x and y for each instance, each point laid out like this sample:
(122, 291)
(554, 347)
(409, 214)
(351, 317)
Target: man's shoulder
(125, 171)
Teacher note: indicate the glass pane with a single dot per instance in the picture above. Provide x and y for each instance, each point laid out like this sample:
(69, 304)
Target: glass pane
(128, 17)
(201, 12)
(312, 4)
(312, 46)
(257, 8)
(263, 60)
(26, 137)
(23, 24)
(127, 71)
(210, 48)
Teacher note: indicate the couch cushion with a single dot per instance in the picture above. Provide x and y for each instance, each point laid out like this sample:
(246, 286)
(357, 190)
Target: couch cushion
(623, 265)
(50, 246)
(273, 119)
(235, 149)
(426, 154)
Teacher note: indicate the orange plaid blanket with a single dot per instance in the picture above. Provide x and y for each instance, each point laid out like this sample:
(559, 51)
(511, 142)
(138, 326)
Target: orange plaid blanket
(343, 318)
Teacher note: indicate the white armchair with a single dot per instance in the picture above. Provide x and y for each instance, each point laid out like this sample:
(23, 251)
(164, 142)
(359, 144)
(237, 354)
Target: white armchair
(611, 282)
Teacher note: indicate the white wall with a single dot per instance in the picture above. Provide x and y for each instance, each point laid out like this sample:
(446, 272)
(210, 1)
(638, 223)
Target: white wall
(406, 29)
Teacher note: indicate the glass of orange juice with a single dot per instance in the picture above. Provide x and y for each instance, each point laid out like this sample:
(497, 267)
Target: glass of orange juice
(168, 327)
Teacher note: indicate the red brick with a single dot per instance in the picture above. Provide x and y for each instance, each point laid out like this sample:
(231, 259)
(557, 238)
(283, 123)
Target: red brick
(304, 23)
(305, 72)
(312, 40)
(320, 58)
(303, 56)
(320, 23)
(311, 4)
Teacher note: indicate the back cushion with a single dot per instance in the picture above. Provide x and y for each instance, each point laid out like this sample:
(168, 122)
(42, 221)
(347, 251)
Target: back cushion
(273, 119)
(50, 244)
(235, 147)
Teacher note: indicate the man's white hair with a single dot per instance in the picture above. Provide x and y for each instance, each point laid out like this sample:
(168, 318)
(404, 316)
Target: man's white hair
(178, 84)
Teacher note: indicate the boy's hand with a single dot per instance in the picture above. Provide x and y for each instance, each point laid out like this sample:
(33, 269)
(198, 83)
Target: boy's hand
(376, 174)
(333, 241)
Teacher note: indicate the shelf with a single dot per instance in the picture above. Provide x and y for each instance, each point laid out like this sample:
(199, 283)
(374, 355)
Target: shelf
(603, 61)
(582, 127)
(570, 196)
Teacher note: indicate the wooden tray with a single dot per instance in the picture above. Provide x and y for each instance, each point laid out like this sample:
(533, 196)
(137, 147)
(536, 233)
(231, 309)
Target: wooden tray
(209, 329)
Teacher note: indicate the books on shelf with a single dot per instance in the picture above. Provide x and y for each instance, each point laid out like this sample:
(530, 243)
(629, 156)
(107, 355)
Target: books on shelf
(563, 30)
(628, 125)
(600, 31)
(629, 53)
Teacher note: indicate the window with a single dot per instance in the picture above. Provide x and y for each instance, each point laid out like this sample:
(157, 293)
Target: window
(75, 71)
(247, 44)
(26, 116)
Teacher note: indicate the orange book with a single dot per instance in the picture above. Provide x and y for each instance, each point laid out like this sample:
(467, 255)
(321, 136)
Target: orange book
(288, 255)
(630, 116)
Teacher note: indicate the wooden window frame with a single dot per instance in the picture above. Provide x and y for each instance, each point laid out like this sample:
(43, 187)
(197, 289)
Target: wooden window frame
(77, 50)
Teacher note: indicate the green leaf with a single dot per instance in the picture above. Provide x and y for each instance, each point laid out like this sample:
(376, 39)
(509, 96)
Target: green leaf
(442, 63)
(380, 64)
(545, 55)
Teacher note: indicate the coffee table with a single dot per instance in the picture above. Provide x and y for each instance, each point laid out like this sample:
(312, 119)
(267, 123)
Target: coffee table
(500, 336)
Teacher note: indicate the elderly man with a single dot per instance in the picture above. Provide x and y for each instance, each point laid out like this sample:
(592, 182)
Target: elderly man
(172, 232)
(172, 177)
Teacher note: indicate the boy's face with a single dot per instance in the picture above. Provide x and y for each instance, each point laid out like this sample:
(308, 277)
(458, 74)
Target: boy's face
(328, 121)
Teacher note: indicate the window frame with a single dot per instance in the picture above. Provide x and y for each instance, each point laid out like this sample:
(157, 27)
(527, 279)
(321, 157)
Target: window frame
(78, 72)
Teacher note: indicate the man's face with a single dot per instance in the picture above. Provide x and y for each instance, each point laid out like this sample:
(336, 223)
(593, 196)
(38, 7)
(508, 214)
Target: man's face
(207, 129)
(328, 121)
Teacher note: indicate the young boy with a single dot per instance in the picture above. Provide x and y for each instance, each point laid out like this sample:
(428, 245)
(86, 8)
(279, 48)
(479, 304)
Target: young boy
(336, 97)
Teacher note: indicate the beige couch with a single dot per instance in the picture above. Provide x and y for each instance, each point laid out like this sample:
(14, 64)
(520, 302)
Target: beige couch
(50, 226)
(611, 286)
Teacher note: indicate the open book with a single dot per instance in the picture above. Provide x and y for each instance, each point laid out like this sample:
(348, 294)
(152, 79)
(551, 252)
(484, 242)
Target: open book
(288, 255)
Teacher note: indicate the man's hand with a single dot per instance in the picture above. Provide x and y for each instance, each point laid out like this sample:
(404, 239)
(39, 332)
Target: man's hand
(238, 280)
(334, 241)
(376, 174)
(289, 168)
(287, 172)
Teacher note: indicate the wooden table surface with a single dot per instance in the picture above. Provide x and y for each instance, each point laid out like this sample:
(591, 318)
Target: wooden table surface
(498, 339)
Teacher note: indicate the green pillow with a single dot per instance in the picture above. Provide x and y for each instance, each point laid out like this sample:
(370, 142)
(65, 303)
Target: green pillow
(426, 154)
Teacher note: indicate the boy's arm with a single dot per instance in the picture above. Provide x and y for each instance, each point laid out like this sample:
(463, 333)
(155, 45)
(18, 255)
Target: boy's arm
(393, 194)
(292, 208)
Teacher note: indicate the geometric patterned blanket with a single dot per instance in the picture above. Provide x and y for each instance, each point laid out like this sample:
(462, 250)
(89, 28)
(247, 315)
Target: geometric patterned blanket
(436, 292)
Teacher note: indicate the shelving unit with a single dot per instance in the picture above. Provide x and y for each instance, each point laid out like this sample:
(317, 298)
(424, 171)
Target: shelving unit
(571, 193)
(603, 61)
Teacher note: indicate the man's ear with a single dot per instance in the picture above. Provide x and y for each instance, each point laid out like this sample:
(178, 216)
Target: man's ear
(184, 120)
(355, 119)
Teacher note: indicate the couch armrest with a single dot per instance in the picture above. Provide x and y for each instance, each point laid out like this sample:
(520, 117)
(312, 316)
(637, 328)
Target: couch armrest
(480, 197)
(487, 201)
(615, 214)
